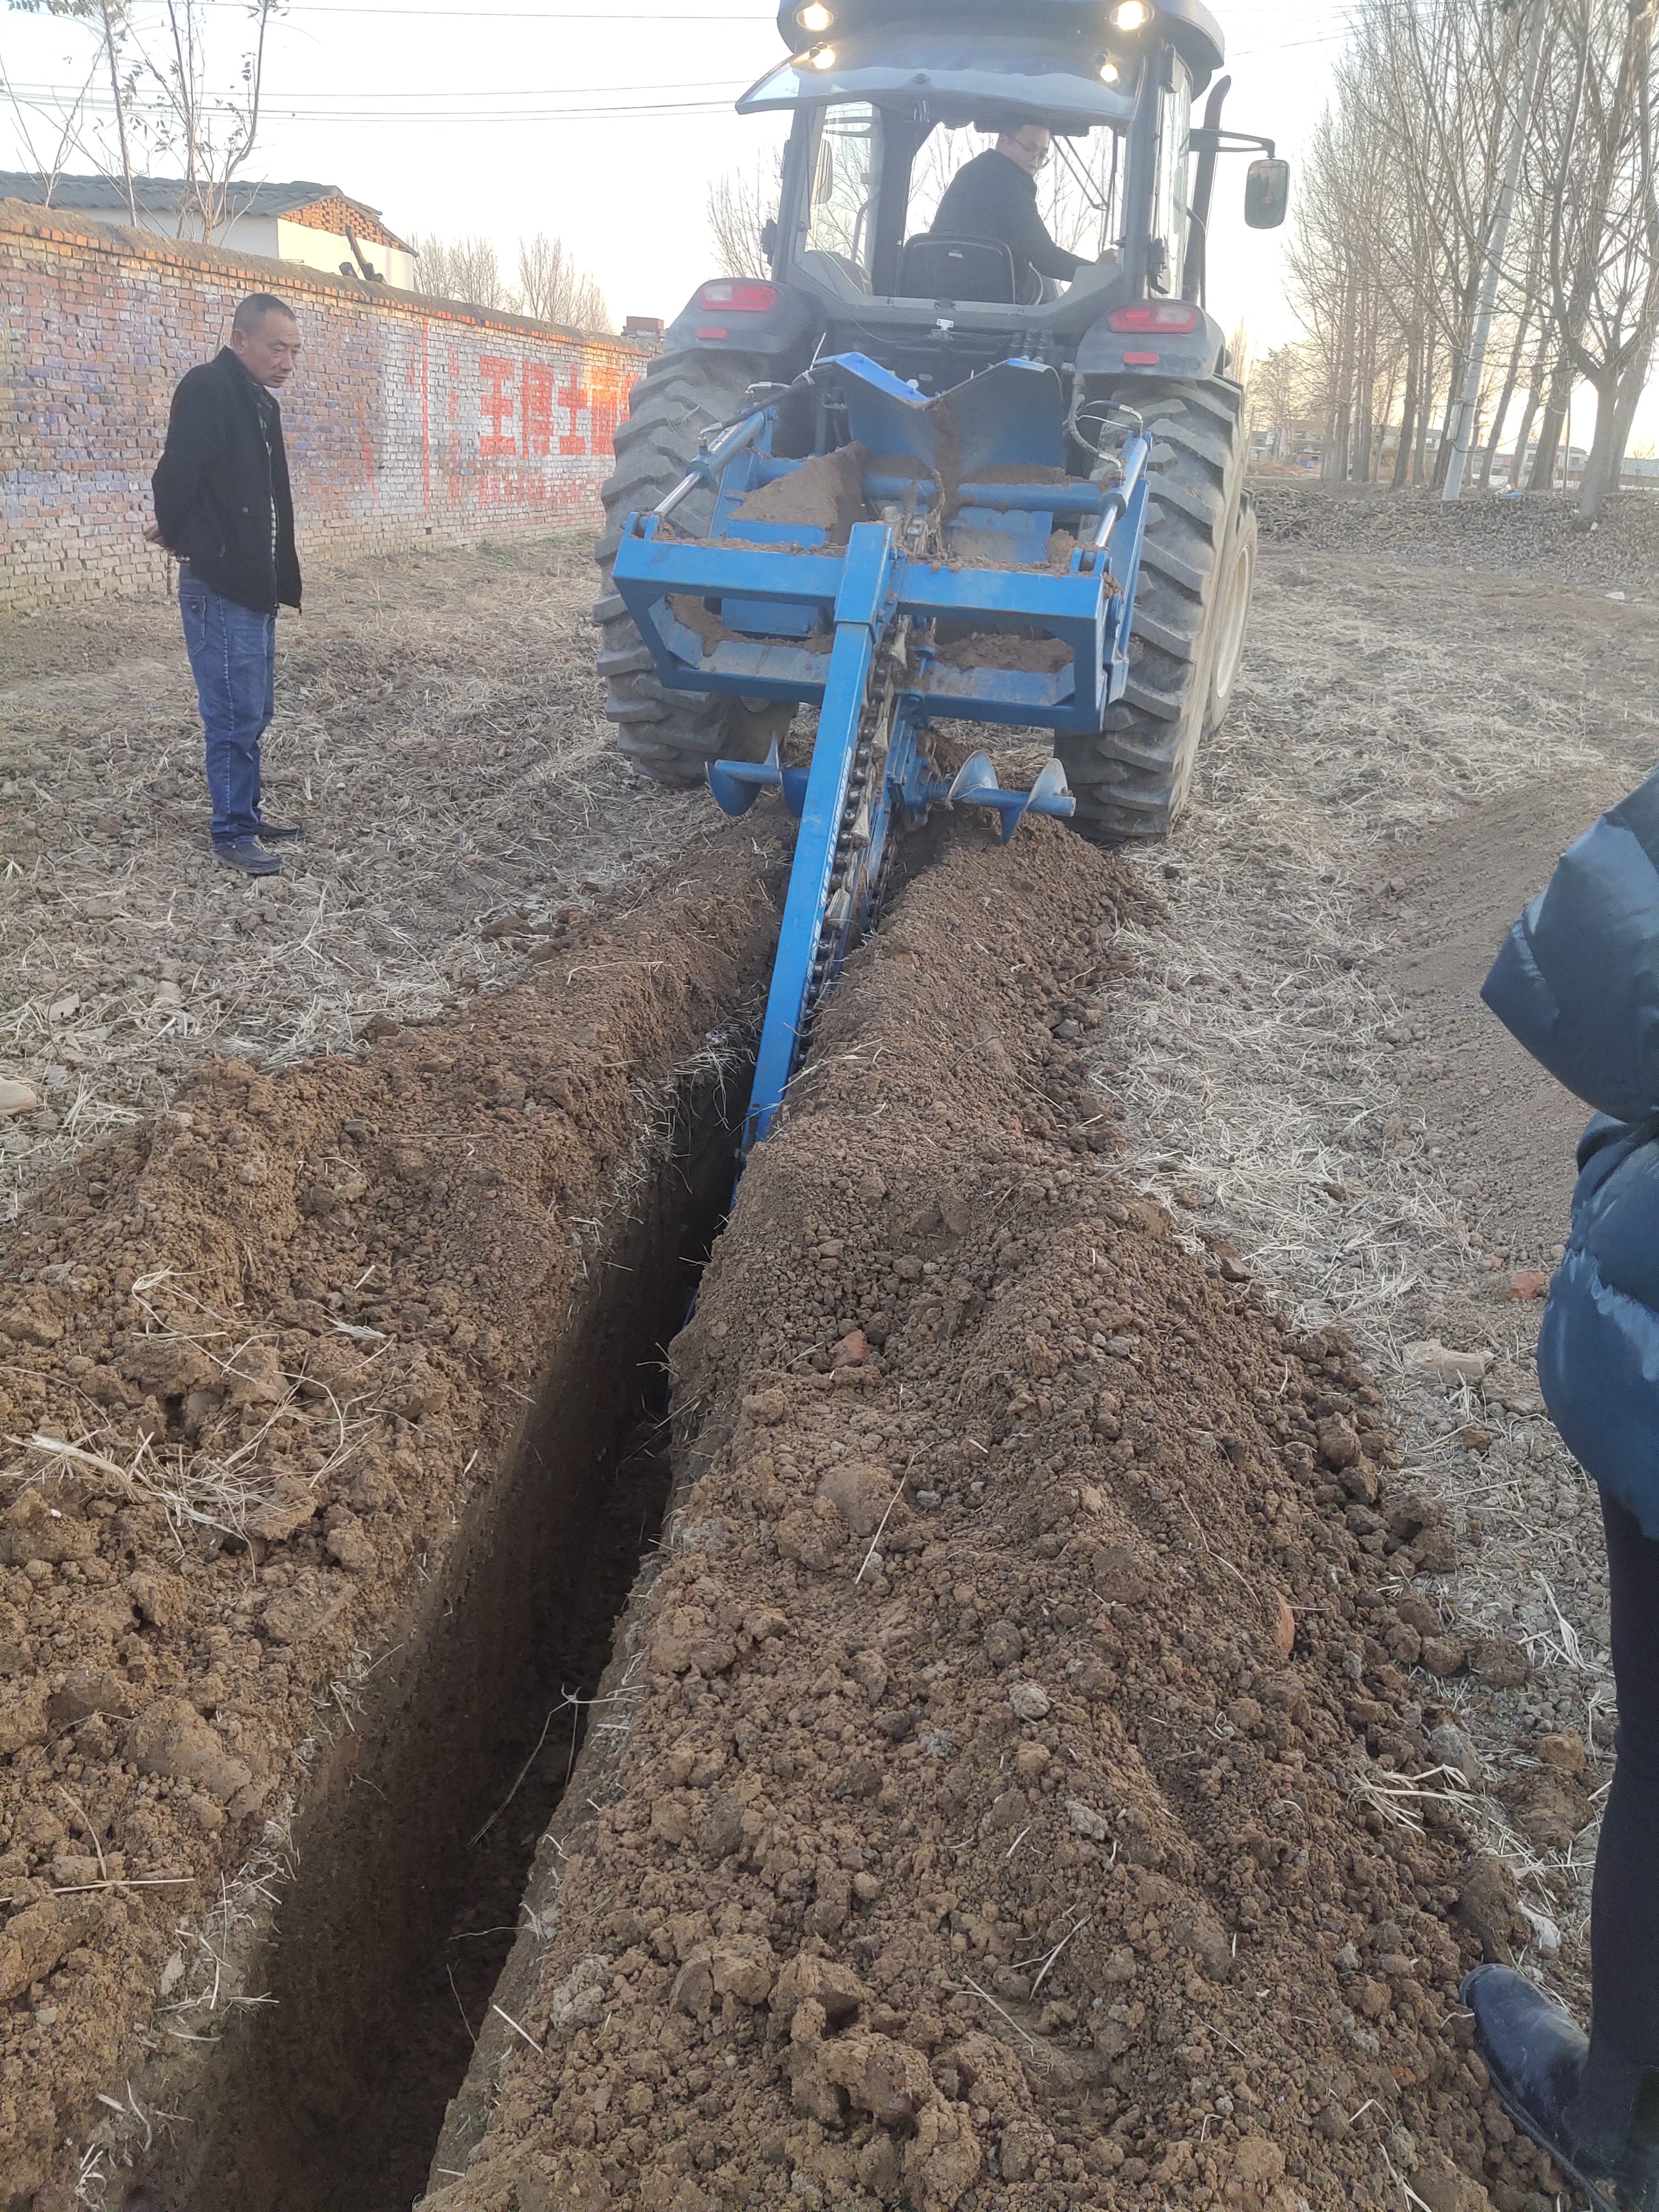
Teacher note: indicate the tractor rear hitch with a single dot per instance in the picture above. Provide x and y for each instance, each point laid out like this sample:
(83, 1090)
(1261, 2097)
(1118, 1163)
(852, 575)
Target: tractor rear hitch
(954, 603)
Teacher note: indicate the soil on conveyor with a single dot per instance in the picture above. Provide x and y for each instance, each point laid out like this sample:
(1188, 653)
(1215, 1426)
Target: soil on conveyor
(826, 492)
(267, 1365)
(1022, 1791)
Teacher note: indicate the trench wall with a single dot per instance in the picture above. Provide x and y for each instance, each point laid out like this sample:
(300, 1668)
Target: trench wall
(408, 419)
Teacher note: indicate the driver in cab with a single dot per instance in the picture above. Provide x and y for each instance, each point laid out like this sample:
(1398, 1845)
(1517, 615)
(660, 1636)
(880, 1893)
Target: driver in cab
(993, 200)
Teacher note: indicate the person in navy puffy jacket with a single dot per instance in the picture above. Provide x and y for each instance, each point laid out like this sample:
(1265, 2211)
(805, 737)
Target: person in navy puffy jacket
(1577, 982)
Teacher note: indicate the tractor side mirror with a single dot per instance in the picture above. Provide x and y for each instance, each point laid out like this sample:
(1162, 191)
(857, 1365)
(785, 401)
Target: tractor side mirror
(1266, 194)
(769, 239)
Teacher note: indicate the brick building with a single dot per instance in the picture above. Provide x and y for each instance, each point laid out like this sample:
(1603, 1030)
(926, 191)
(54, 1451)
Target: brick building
(408, 418)
(318, 224)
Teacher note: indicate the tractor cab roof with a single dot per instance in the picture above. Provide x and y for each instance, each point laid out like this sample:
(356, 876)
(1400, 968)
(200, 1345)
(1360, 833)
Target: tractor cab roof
(990, 78)
(917, 43)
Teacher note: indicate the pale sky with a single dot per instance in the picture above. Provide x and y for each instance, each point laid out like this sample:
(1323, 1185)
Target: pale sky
(506, 119)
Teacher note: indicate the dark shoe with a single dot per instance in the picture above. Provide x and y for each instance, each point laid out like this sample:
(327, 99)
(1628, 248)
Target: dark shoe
(248, 855)
(1537, 2056)
(280, 833)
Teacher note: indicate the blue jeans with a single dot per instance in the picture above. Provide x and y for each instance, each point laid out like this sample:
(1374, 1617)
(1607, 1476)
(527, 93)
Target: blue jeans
(233, 657)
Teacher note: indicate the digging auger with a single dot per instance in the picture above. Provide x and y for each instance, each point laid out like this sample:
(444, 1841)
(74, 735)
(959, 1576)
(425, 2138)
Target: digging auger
(888, 633)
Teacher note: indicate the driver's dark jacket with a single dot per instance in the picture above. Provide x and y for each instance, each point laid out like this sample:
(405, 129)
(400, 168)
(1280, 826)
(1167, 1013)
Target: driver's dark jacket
(993, 200)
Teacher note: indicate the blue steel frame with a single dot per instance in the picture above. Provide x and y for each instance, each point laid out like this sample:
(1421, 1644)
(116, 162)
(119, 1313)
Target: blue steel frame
(816, 622)
(1088, 608)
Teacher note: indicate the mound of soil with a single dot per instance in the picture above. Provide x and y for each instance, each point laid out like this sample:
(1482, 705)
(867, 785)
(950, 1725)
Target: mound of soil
(258, 1357)
(1042, 656)
(1017, 1807)
(826, 491)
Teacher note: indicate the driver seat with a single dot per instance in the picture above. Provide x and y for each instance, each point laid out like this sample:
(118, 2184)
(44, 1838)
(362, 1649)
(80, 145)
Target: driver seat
(957, 269)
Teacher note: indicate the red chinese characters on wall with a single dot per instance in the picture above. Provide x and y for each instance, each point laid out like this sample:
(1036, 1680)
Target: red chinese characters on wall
(540, 384)
(608, 391)
(497, 406)
(533, 411)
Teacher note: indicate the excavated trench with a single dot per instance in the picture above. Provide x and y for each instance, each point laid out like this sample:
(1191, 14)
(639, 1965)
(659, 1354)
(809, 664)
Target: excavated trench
(414, 1856)
(341, 1401)
(1009, 1808)
(991, 1805)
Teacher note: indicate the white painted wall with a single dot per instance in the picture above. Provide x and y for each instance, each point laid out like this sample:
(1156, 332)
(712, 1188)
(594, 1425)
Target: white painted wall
(276, 241)
(327, 249)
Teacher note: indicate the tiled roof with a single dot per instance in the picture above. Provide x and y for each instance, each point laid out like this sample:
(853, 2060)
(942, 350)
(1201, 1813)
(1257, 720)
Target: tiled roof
(164, 196)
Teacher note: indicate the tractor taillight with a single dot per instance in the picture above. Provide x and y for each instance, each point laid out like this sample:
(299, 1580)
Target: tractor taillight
(1155, 315)
(739, 296)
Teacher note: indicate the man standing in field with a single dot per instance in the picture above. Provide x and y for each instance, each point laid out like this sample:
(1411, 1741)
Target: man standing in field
(223, 510)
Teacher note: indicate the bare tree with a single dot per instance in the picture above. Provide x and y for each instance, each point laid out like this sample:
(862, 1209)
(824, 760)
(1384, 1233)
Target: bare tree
(555, 289)
(552, 285)
(168, 94)
(466, 269)
(211, 134)
(1284, 393)
(1599, 171)
(110, 17)
(1396, 216)
(740, 205)
(63, 117)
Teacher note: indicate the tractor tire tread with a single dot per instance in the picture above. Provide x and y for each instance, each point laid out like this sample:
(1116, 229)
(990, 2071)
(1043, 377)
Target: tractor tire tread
(668, 736)
(1131, 777)
(1178, 499)
(1154, 554)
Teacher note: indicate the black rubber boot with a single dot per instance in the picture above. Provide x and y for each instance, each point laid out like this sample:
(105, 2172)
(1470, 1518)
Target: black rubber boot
(1538, 2058)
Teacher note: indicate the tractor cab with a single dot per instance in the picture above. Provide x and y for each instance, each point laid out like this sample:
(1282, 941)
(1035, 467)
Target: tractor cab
(961, 444)
(892, 99)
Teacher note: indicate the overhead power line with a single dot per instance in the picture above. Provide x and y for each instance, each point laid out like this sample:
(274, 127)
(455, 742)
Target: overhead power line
(275, 110)
(512, 15)
(560, 92)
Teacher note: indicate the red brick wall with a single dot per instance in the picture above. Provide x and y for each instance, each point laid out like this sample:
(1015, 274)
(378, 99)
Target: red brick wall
(405, 420)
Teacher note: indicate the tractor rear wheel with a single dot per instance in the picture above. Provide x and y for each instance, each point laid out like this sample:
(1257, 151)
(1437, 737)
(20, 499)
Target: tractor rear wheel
(669, 736)
(1191, 603)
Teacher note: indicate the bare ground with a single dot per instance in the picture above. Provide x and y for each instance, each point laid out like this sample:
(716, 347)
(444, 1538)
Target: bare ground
(1302, 1068)
(1311, 1072)
(438, 731)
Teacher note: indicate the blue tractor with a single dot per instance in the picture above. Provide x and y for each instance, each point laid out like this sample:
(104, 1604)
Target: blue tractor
(906, 478)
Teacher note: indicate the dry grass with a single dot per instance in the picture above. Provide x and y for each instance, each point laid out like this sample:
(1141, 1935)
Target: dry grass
(1258, 1065)
(1253, 1046)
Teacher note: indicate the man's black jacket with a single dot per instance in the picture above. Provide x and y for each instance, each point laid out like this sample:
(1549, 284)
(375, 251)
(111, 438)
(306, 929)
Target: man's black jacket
(994, 199)
(217, 486)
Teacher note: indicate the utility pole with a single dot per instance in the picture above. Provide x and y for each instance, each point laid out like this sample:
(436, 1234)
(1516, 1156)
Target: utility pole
(1497, 240)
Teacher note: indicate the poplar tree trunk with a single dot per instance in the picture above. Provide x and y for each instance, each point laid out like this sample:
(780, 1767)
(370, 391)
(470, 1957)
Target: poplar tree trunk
(1549, 430)
(1518, 465)
(1402, 452)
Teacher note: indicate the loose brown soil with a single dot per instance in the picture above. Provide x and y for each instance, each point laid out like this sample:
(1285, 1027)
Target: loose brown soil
(1361, 830)
(1014, 1808)
(826, 492)
(271, 1370)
